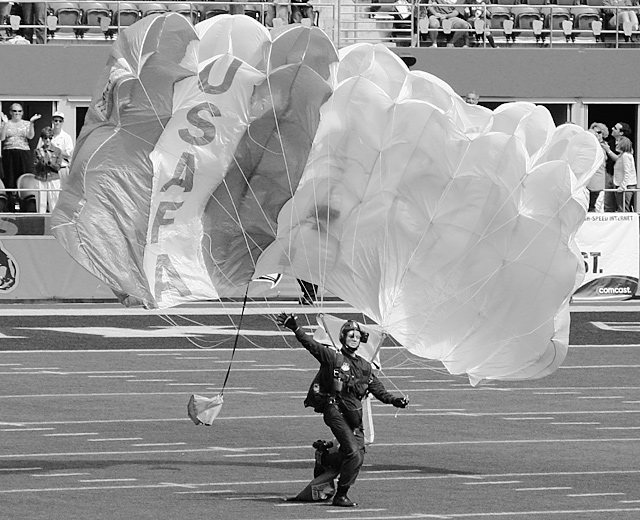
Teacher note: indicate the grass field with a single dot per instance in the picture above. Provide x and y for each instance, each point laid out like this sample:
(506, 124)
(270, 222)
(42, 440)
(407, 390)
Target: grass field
(103, 434)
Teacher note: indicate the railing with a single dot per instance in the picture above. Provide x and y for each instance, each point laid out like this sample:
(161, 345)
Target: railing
(402, 23)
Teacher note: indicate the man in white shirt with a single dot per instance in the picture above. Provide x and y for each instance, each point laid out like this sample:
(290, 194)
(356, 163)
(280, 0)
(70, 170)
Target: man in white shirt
(62, 140)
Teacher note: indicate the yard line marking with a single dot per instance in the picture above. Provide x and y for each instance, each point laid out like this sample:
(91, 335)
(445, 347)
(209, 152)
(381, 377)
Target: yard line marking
(108, 480)
(306, 447)
(149, 380)
(544, 488)
(104, 377)
(386, 471)
(21, 469)
(60, 474)
(453, 516)
(527, 418)
(251, 455)
(205, 492)
(160, 354)
(601, 397)
(84, 488)
(116, 439)
(25, 429)
(574, 423)
(629, 501)
(492, 482)
(69, 434)
(555, 393)
(10, 364)
(294, 460)
(11, 424)
(619, 428)
(595, 494)
(160, 444)
(597, 366)
(36, 368)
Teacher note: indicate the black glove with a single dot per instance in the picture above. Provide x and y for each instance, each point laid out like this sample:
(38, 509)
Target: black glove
(287, 320)
(400, 402)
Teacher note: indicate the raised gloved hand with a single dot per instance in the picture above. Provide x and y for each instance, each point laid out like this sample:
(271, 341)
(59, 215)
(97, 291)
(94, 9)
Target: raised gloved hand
(400, 402)
(287, 320)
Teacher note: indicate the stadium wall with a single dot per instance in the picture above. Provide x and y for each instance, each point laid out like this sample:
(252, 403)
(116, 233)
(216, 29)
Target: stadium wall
(72, 70)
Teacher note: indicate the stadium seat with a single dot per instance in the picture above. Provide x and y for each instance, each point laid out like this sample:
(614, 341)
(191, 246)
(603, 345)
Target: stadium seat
(212, 9)
(583, 18)
(554, 16)
(525, 15)
(68, 13)
(153, 9)
(28, 199)
(499, 14)
(94, 14)
(187, 10)
(125, 14)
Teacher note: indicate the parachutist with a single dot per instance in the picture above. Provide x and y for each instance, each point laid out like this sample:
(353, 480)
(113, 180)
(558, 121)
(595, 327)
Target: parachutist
(344, 379)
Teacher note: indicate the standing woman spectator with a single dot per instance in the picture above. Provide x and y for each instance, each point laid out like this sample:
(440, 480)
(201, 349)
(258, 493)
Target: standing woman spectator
(16, 155)
(624, 175)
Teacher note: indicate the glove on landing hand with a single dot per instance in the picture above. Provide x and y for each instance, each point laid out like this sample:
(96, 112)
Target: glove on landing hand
(400, 402)
(287, 320)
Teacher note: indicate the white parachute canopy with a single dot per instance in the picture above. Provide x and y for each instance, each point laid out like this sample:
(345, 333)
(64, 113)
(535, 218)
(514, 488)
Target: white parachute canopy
(450, 225)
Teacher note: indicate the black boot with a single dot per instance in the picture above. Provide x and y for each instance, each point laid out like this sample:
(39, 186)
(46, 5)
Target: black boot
(341, 499)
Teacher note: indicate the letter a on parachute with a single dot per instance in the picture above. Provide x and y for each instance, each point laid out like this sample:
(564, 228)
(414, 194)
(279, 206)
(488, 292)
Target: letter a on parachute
(213, 155)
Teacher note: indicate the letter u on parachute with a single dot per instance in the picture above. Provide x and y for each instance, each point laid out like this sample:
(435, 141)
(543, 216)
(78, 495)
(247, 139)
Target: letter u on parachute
(214, 154)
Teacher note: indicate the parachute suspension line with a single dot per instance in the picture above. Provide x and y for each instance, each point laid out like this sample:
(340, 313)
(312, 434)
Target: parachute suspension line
(235, 343)
(190, 339)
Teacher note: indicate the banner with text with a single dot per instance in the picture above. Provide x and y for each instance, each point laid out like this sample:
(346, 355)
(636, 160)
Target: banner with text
(609, 243)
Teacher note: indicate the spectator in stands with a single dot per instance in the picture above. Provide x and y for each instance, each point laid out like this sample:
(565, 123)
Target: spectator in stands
(624, 175)
(48, 161)
(596, 184)
(62, 140)
(437, 14)
(5, 9)
(16, 156)
(617, 131)
(282, 14)
(472, 98)
(34, 14)
(616, 18)
(477, 10)
(301, 9)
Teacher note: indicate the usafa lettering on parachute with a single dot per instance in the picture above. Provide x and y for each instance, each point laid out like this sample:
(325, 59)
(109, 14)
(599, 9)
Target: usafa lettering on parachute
(205, 128)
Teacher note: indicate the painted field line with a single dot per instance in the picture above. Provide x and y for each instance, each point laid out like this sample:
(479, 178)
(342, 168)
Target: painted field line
(602, 397)
(595, 494)
(619, 428)
(495, 514)
(149, 445)
(252, 455)
(107, 480)
(117, 439)
(211, 491)
(79, 434)
(556, 488)
(40, 475)
(492, 483)
(380, 445)
(574, 423)
(25, 429)
(35, 468)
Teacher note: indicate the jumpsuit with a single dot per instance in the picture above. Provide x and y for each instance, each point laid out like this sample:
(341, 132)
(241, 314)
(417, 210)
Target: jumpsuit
(343, 414)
